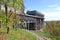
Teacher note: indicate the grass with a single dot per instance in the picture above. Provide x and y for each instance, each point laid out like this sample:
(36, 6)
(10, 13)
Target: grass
(53, 37)
(18, 34)
(29, 36)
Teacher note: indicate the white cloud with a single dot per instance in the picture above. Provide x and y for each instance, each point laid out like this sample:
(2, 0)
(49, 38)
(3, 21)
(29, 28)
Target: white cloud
(52, 15)
(55, 7)
(52, 5)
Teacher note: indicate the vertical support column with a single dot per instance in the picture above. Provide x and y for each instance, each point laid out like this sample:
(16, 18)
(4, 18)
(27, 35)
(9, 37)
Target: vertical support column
(42, 20)
(27, 26)
(0, 24)
(40, 23)
(35, 24)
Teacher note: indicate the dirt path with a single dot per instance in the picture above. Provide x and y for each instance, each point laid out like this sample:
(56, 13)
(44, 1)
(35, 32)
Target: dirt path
(37, 36)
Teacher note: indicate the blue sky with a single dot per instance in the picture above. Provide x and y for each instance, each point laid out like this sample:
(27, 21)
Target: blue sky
(50, 8)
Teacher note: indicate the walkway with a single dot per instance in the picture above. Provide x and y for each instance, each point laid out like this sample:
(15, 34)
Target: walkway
(37, 36)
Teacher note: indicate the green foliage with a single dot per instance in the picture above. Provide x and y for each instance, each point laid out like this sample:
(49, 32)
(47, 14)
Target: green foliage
(28, 35)
(15, 4)
(2, 16)
(42, 34)
(16, 34)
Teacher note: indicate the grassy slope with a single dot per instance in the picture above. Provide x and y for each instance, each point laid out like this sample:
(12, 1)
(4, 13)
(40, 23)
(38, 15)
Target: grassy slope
(47, 35)
(27, 34)
(17, 35)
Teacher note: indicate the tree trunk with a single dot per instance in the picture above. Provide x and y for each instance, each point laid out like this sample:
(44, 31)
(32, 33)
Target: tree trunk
(0, 7)
(15, 21)
(0, 14)
(6, 17)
